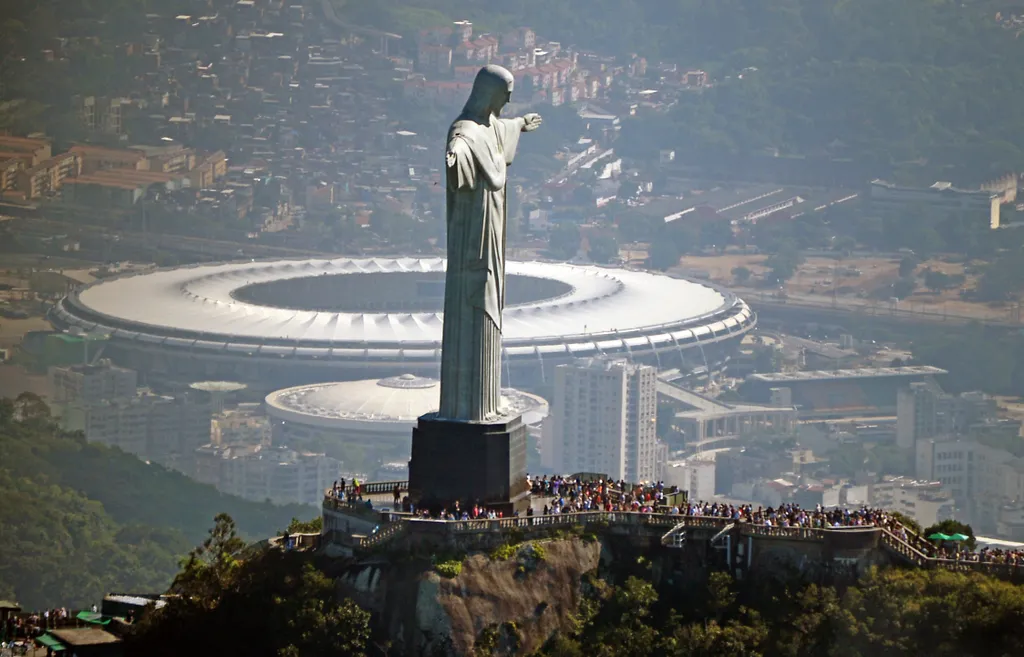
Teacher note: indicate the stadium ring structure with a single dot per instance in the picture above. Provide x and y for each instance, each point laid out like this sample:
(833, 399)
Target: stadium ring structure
(289, 322)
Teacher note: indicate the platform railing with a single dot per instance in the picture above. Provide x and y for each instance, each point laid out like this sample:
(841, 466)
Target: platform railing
(914, 548)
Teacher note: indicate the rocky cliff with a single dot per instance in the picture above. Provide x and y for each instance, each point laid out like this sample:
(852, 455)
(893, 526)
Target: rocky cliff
(512, 600)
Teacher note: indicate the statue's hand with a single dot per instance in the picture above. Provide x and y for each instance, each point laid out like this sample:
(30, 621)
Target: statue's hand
(531, 122)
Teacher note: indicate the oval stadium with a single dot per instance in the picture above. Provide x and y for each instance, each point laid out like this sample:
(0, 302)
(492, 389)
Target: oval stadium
(288, 322)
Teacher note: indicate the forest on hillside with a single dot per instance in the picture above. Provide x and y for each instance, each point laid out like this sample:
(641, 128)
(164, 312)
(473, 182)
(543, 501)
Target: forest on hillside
(280, 603)
(80, 520)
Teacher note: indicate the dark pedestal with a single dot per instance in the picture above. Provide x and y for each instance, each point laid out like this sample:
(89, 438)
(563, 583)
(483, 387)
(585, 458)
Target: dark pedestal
(469, 462)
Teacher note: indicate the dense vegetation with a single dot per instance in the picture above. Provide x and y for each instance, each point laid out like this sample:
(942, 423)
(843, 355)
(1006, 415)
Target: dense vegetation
(977, 358)
(892, 612)
(79, 520)
(274, 603)
(277, 603)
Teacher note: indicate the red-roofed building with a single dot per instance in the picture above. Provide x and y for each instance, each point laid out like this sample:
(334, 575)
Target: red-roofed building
(48, 175)
(95, 158)
(434, 58)
(35, 150)
(522, 38)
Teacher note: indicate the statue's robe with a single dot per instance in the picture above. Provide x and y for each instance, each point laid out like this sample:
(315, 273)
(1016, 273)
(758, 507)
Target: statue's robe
(475, 163)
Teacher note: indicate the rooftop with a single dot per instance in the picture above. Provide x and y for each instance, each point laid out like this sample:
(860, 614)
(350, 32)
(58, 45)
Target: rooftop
(85, 636)
(398, 399)
(859, 373)
(589, 302)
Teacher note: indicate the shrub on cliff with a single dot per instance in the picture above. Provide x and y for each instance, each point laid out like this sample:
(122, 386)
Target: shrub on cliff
(274, 602)
(450, 568)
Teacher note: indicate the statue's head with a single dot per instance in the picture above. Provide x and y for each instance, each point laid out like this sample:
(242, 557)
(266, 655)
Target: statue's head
(492, 89)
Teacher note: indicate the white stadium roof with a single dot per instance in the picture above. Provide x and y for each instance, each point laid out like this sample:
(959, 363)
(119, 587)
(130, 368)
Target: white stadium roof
(596, 310)
(400, 399)
(199, 299)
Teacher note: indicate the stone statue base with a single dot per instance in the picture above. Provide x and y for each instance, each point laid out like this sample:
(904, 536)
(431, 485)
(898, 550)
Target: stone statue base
(469, 462)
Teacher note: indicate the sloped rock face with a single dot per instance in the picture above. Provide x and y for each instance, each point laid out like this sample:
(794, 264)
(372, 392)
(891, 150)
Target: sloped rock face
(509, 605)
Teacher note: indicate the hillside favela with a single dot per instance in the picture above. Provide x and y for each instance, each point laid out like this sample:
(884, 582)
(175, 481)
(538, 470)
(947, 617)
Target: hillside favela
(348, 328)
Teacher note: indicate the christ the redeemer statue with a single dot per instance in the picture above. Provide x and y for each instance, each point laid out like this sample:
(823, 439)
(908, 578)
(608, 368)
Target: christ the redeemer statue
(480, 148)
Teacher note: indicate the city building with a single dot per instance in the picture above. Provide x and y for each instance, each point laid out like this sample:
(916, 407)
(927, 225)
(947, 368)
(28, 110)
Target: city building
(837, 394)
(696, 477)
(604, 420)
(100, 113)
(260, 472)
(48, 176)
(31, 150)
(91, 384)
(924, 410)
(986, 480)
(159, 428)
(982, 204)
(246, 424)
(927, 502)
(97, 158)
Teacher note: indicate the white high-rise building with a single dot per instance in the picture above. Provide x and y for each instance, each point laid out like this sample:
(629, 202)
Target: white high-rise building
(258, 472)
(164, 429)
(91, 384)
(604, 419)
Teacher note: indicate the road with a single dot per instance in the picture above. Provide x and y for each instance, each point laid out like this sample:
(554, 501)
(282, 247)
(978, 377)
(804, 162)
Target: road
(764, 302)
(220, 249)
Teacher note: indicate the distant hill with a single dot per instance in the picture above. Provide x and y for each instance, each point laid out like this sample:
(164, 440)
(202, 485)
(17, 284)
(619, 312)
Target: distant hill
(920, 89)
(78, 520)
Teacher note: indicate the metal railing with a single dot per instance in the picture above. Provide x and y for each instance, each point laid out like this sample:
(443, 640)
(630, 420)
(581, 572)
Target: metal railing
(371, 488)
(799, 533)
(396, 524)
(383, 535)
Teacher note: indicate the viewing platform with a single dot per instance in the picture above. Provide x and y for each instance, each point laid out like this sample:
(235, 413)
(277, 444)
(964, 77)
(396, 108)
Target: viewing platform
(373, 525)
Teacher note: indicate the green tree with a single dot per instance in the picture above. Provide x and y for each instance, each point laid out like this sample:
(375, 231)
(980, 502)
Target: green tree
(937, 281)
(564, 241)
(784, 263)
(276, 602)
(1003, 279)
(604, 248)
(950, 527)
(664, 254)
(908, 264)
(767, 359)
(741, 275)
(210, 567)
(906, 521)
(312, 526)
(903, 287)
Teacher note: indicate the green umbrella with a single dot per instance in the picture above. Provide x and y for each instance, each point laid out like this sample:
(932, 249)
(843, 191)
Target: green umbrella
(959, 537)
(938, 536)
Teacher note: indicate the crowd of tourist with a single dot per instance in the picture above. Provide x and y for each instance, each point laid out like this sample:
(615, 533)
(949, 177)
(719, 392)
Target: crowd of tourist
(556, 495)
(25, 626)
(984, 555)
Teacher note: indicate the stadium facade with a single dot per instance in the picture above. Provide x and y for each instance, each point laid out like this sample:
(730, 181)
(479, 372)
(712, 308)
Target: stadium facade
(290, 322)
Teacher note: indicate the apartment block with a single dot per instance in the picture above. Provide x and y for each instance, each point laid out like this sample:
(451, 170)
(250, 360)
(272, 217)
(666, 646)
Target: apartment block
(604, 420)
(258, 472)
(91, 384)
(33, 149)
(159, 428)
(924, 410)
